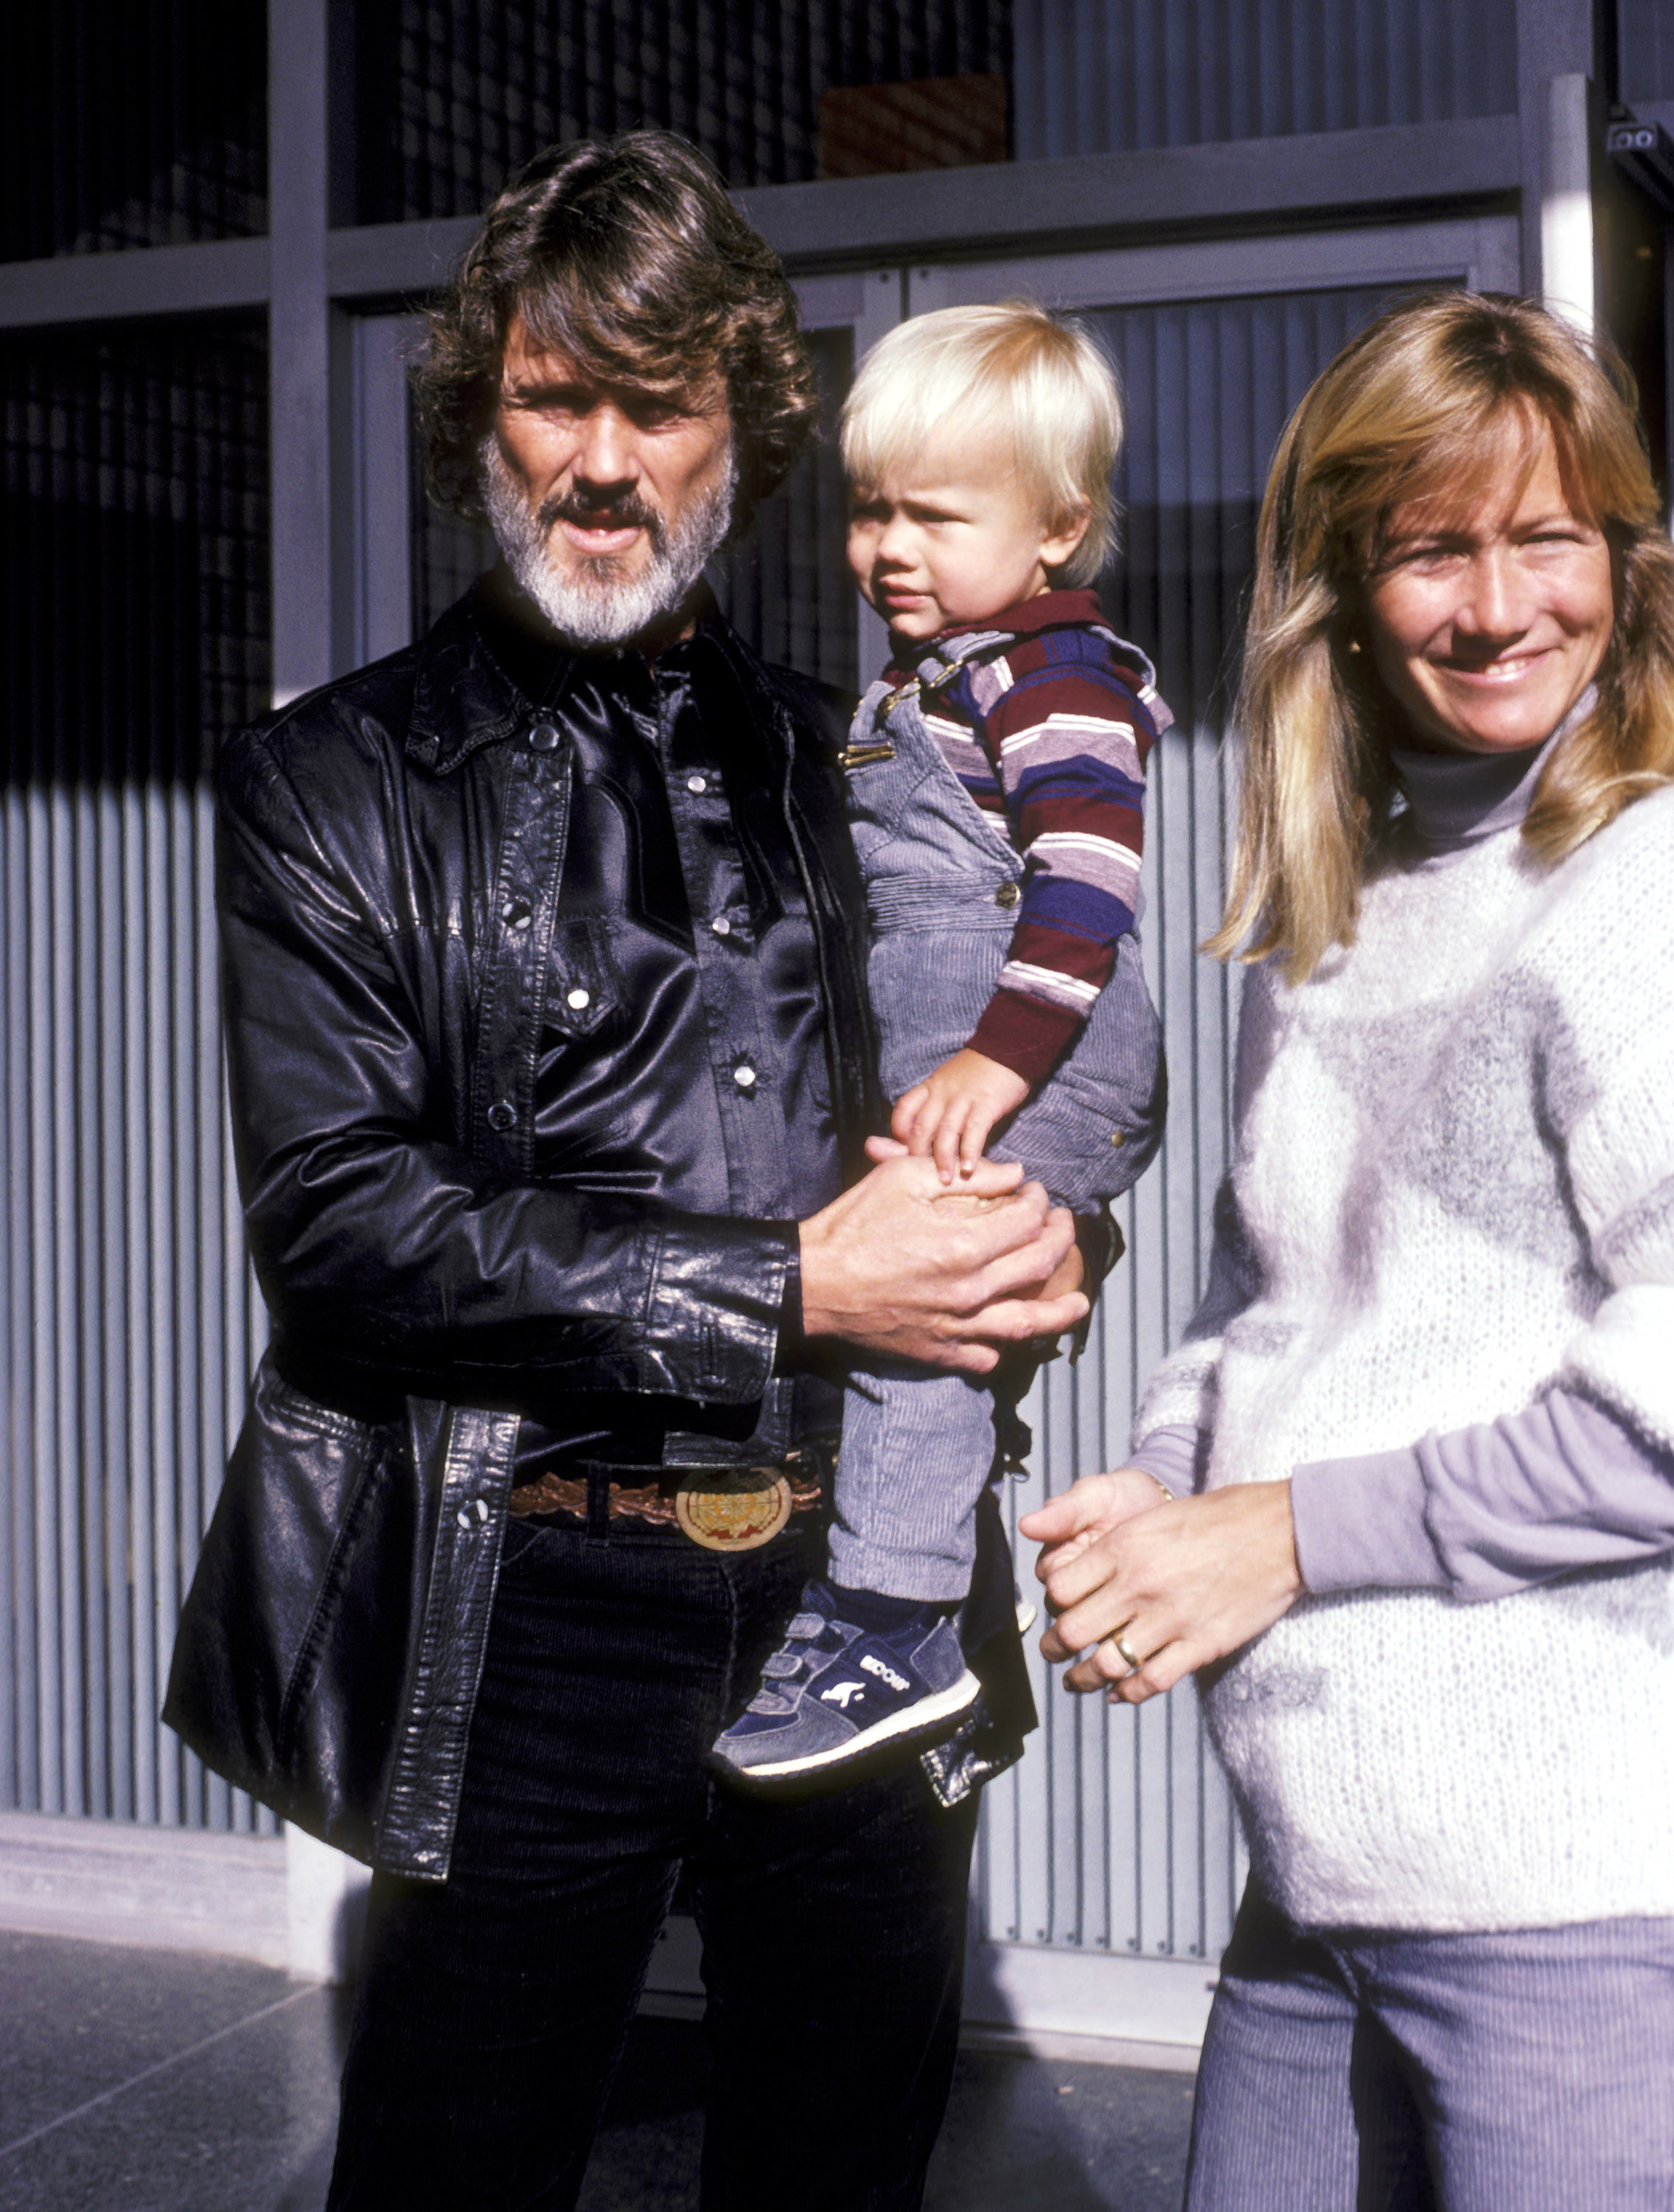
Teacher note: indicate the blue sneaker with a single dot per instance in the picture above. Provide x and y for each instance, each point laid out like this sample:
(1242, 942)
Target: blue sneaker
(832, 1693)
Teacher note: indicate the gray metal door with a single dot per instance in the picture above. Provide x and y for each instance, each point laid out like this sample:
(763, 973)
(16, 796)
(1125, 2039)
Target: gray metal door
(1111, 1863)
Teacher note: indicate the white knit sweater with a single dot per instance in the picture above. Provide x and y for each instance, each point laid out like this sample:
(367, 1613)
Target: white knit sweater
(1453, 1184)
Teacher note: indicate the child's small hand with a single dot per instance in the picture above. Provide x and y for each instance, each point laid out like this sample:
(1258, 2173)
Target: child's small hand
(949, 1115)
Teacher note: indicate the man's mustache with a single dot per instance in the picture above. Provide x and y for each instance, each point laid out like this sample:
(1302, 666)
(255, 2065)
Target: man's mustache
(620, 510)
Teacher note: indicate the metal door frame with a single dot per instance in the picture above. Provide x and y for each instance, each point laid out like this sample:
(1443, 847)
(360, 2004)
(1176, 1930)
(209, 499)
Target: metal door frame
(1019, 1986)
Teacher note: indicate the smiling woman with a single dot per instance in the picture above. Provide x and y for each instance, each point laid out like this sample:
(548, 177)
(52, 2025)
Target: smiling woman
(1426, 1399)
(1438, 414)
(1487, 626)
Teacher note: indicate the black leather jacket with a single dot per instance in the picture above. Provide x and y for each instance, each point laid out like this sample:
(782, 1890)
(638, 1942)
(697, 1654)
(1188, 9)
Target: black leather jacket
(391, 852)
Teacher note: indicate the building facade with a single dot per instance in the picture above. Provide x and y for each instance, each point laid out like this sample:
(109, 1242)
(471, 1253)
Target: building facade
(216, 233)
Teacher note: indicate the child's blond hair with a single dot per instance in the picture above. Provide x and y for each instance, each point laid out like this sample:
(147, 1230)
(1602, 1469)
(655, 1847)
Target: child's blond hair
(964, 374)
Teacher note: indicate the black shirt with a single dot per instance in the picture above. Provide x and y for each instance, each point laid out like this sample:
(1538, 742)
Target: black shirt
(707, 960)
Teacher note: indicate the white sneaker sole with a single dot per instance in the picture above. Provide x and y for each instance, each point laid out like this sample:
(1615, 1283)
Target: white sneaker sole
(925, 1717)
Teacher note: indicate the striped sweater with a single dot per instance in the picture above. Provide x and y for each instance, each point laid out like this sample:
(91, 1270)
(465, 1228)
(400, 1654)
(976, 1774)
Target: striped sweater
(1049, 731)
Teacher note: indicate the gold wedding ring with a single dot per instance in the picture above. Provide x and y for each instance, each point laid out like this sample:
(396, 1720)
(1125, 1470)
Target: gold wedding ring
(1124, 1651)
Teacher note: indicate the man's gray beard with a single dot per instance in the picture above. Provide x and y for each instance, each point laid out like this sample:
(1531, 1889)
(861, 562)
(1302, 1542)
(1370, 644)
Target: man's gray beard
(594, 601)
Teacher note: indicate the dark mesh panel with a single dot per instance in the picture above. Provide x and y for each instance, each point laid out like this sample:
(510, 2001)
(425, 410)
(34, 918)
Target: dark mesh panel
(447, 557)
(788, 588)
(138, 124)
(134, 507)
(455, 94)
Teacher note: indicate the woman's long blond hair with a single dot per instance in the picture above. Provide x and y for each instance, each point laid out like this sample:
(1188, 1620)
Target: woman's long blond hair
(1439, 398)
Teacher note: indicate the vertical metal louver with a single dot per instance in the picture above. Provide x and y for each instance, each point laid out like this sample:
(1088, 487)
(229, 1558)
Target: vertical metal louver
(1100, 76)
(135, 516)
(1644, 49)
(140, 125)
(1117, 1832)
(455, 94)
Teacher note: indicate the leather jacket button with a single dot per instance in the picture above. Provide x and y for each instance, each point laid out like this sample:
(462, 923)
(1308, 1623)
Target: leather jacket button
(1008, 895)
(474, 1513)
(518, 915)
(721, 925)
(577, 1000)
(543, 737)
(502, 1115)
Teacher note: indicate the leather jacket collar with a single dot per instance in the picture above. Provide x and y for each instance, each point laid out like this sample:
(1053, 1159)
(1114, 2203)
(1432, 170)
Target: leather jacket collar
(490, 662)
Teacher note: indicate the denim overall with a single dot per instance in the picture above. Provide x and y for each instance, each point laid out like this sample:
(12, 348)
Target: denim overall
(943, 886)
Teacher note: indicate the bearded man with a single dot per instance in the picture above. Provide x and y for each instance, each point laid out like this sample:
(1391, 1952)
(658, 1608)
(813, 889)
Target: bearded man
(551, 1062)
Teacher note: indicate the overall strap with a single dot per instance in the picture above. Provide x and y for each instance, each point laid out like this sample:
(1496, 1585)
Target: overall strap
(936, 671)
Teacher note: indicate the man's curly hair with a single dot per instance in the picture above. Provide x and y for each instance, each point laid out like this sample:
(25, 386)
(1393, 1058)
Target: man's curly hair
(627, 254)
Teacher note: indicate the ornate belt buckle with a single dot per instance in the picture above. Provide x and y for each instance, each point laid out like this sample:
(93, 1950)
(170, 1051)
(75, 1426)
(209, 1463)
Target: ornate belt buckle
(732, 1509)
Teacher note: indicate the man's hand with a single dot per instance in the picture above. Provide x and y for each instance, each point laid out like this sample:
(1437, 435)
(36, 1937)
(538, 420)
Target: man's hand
(899, 1265)
(947, 1117)
(1180, 1581)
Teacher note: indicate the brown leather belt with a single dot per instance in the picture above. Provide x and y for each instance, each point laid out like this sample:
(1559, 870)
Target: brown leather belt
(723, 1509)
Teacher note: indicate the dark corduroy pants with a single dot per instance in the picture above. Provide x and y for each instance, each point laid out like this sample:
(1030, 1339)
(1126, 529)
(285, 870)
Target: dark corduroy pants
(492, 2011)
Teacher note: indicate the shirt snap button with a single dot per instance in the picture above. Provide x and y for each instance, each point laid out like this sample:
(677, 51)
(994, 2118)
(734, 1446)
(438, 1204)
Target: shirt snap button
(1007, 895)
(543, 737)
(744, 1075)
(502, 1115)
(721, 925)
(577, 999)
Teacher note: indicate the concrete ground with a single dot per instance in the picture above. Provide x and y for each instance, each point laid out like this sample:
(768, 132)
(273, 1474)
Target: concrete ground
(139, 2081)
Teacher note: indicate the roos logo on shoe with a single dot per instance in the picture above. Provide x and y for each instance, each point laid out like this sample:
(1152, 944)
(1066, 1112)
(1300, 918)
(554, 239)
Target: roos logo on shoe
(836, 1691)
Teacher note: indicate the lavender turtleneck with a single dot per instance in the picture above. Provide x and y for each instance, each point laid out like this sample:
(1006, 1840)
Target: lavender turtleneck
(1564, 1483)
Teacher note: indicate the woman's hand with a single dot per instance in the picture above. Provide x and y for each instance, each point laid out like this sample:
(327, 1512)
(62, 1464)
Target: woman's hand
(1179, 1581)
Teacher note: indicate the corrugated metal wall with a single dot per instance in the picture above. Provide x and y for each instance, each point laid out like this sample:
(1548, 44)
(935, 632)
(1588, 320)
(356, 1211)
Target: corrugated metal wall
(135, 491)
(1117, 1832)
(456, 94)
(133, 504)
(1093, 77)
(1645, 32)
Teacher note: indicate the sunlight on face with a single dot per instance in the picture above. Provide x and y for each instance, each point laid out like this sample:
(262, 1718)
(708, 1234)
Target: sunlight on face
(1488, 622)
(606, 499)
(956, 543)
